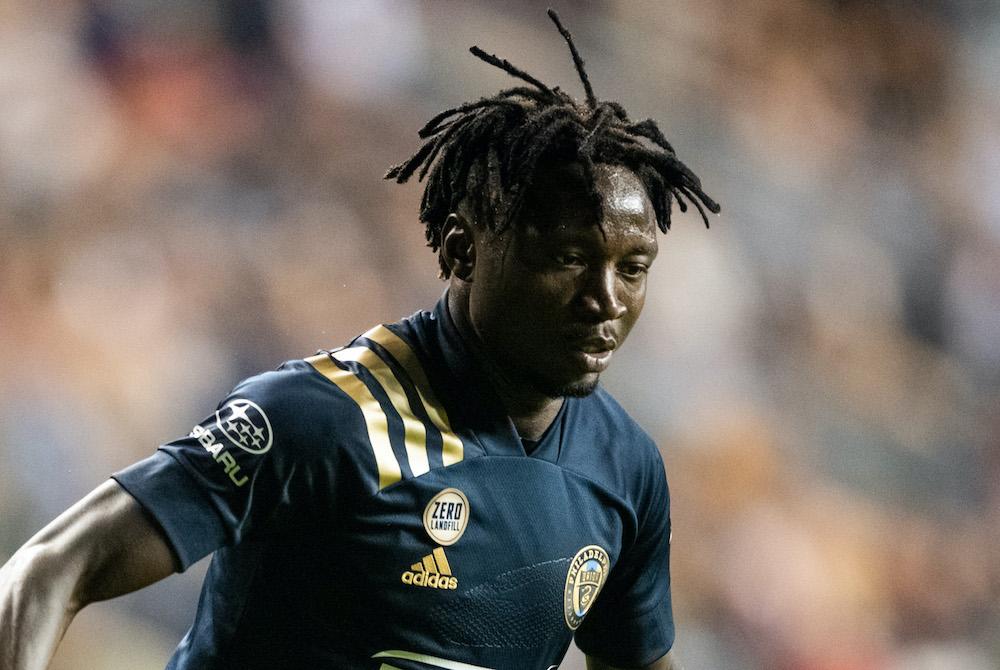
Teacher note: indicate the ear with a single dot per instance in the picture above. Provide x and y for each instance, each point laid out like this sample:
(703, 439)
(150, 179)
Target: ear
(458, 247)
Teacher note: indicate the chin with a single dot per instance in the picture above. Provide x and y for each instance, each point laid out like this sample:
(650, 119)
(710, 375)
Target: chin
(578, 388)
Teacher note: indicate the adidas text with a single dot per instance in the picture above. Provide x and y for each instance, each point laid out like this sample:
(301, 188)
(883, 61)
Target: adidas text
(430, 580)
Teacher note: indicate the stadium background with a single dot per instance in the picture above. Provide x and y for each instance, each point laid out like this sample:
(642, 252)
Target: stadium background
(190, 192)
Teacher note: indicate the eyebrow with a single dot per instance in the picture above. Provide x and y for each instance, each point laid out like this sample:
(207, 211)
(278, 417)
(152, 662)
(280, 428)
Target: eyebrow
(556, 236)
(646, 247)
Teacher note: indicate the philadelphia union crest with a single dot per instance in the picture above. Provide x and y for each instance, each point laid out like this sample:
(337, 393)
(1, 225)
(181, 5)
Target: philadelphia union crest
(587, 573)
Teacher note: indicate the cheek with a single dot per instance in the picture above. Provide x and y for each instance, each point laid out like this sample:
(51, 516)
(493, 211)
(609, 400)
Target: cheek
(511, 310)
(638, 301)
(635, 301)
(538, 294)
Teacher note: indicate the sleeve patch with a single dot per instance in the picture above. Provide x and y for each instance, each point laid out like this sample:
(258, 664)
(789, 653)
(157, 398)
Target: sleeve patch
(245, 424)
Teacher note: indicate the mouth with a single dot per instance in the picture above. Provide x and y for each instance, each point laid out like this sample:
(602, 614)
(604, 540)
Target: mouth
(593, 353)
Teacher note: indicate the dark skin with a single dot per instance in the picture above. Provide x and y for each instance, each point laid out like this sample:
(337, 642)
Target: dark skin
(545, 303)
(542, 313)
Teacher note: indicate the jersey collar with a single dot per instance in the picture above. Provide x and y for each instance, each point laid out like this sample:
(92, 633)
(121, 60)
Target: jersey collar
(474, 408)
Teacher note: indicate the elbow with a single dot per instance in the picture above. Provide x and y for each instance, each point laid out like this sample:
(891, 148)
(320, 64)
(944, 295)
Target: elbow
(40, 571)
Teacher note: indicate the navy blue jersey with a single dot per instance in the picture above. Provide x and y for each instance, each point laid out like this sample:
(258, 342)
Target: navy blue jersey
(373, 507)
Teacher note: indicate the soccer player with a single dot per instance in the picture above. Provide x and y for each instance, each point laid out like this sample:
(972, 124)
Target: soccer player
(454, 490)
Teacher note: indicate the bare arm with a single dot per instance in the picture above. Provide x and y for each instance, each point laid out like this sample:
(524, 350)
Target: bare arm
(101, 547)
(667, 662)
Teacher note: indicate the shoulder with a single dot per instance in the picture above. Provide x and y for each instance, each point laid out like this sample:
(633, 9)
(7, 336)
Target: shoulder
(289, 382)
(293, 389)
(616, 416)
(292, 405)
(610, 446)
(627, 442)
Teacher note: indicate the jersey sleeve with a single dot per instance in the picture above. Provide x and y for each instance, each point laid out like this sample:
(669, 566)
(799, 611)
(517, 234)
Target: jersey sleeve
(631, 623)
(245, 466)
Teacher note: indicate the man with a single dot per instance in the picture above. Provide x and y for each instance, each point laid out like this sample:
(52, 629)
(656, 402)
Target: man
(450, 491)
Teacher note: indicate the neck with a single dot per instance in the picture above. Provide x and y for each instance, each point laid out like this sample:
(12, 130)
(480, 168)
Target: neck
(530, 411)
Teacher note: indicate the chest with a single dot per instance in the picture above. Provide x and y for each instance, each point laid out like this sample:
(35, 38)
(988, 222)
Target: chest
(491, 553)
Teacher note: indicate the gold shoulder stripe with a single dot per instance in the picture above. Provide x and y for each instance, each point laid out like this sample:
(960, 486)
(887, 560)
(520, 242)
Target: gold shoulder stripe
(375, 419)
(452, 448)
(428, 660)
(414, 433)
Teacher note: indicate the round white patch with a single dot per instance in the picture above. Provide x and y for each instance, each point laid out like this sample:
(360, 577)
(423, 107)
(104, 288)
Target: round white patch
(447, 516)
(244, 424)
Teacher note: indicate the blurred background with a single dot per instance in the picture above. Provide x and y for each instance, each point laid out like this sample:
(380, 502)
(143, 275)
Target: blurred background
(190, 192)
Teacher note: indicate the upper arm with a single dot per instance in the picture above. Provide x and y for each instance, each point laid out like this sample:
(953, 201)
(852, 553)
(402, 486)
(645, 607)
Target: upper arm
(263, 455)
(105, 544)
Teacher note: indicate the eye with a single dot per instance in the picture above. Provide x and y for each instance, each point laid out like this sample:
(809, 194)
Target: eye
(569, 260)
(634, 270)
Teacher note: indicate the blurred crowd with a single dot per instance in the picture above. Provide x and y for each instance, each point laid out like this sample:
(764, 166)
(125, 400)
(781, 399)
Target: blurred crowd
(191, 192)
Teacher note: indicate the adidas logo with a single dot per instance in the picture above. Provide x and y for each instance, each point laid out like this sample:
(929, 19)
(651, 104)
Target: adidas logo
(433, 571)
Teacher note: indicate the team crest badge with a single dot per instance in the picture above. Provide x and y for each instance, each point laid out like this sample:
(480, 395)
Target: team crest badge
(588, 571)
(447, 516)
(244, 424)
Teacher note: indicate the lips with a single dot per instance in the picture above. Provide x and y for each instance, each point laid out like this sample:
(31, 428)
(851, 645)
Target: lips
(593, 353)
(596, 345)
(591, 340)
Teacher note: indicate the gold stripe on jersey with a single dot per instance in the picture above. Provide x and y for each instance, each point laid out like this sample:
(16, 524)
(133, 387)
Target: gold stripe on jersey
(434, 661)
(414, 433)
(452, 449)
(375, 419)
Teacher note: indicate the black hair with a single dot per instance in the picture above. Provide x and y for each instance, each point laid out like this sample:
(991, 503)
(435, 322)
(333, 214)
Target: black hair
(489, 151)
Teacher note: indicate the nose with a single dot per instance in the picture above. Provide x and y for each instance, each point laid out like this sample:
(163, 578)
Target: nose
(599, 299)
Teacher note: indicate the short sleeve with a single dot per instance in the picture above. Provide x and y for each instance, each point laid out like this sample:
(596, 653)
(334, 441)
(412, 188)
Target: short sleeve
(241, 468)
(631, 623)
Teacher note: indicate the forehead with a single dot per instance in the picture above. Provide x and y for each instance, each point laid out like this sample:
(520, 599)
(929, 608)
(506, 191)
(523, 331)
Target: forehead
(560, 203)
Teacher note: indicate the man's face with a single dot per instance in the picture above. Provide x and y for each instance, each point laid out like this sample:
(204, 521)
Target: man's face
(553, 296)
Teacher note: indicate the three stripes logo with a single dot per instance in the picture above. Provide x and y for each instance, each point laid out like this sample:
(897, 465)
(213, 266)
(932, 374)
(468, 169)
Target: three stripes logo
(433, 571)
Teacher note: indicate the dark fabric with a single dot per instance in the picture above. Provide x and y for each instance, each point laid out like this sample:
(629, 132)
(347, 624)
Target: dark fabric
(322, 556)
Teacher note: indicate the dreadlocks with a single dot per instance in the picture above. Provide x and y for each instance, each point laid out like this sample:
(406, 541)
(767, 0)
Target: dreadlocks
(489, 151)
